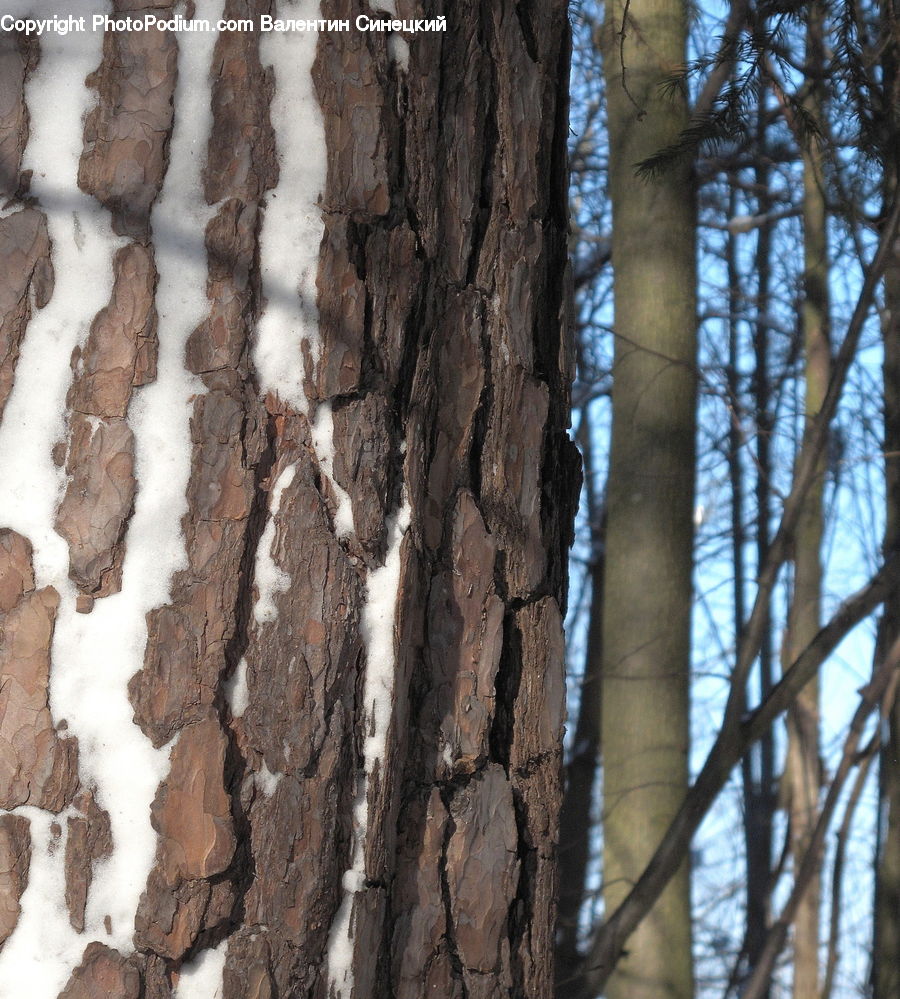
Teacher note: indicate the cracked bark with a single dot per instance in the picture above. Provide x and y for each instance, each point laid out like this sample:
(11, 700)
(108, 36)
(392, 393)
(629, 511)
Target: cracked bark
(122, 165)
(37, 766)
(89, 840)
(444, 358)
(26, 274)
(15, 858)
(26, 281)
(125, 136)
(18, 54)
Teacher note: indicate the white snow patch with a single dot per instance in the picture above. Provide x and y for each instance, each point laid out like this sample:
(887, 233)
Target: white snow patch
(43, 948)
(398, 50)
(377, 629)
(397, 46)
(340, 937)
(292, 228)
(270, 580)
(322, 430)
(202, 977)
(159, 415)
(266, 781)
(291, 235)
(95, 655)
(237, 693)
(745, 223)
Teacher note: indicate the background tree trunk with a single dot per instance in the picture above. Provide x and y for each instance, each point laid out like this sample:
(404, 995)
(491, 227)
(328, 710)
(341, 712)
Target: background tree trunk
(803, 775)
(760, 795)
(354, 681)
(647, 588)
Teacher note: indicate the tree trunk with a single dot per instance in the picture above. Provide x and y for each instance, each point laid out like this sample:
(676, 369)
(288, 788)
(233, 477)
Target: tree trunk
(803, 776)
(576, 821)
(886, 949)
(647, 587)
(759, 789)
(315, 495)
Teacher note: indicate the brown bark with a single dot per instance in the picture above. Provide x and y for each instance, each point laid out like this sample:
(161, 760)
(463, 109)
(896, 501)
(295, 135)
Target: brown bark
(26, 276)
(119, 355)
(89, 840)
(445, 361)
(123, 166)
(15, 858)
(886, 928)
(18, 54)
(103, 972)
(125, 136)
(37, 767)
(576, 820)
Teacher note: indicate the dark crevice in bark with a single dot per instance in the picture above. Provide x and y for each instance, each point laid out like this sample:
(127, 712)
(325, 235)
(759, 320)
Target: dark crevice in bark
(417, 334)
(520, 910)
(243, 868)
(561, 461)
(558, 207)
(371, 373)
(524, 13)
(256, 522)
(490, 141)
(450, 936)
(509, 677)
(482, 414)
(404, 207)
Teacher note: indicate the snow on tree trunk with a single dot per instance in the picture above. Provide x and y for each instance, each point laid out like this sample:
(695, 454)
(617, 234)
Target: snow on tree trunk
(287, 493)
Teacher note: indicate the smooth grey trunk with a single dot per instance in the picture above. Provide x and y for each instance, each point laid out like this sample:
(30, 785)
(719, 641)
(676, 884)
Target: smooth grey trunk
(803, 778)
(647, 585)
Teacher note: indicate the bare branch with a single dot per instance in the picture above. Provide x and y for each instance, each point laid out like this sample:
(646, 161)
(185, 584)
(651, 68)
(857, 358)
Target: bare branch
(870, 696)
(739, 732)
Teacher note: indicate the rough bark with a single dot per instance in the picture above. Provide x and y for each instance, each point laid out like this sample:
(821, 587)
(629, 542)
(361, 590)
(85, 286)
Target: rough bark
(15, 857)
(122, 166)
(443, 364)
(37, 766)
(886, 935)
(89, 840)
(26, 280)
(119, 355)
(17, 57)
(125, 136)
(103, 972)
(576, 818)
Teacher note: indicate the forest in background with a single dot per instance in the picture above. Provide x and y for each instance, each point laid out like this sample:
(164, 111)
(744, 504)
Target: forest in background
(733, 781)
